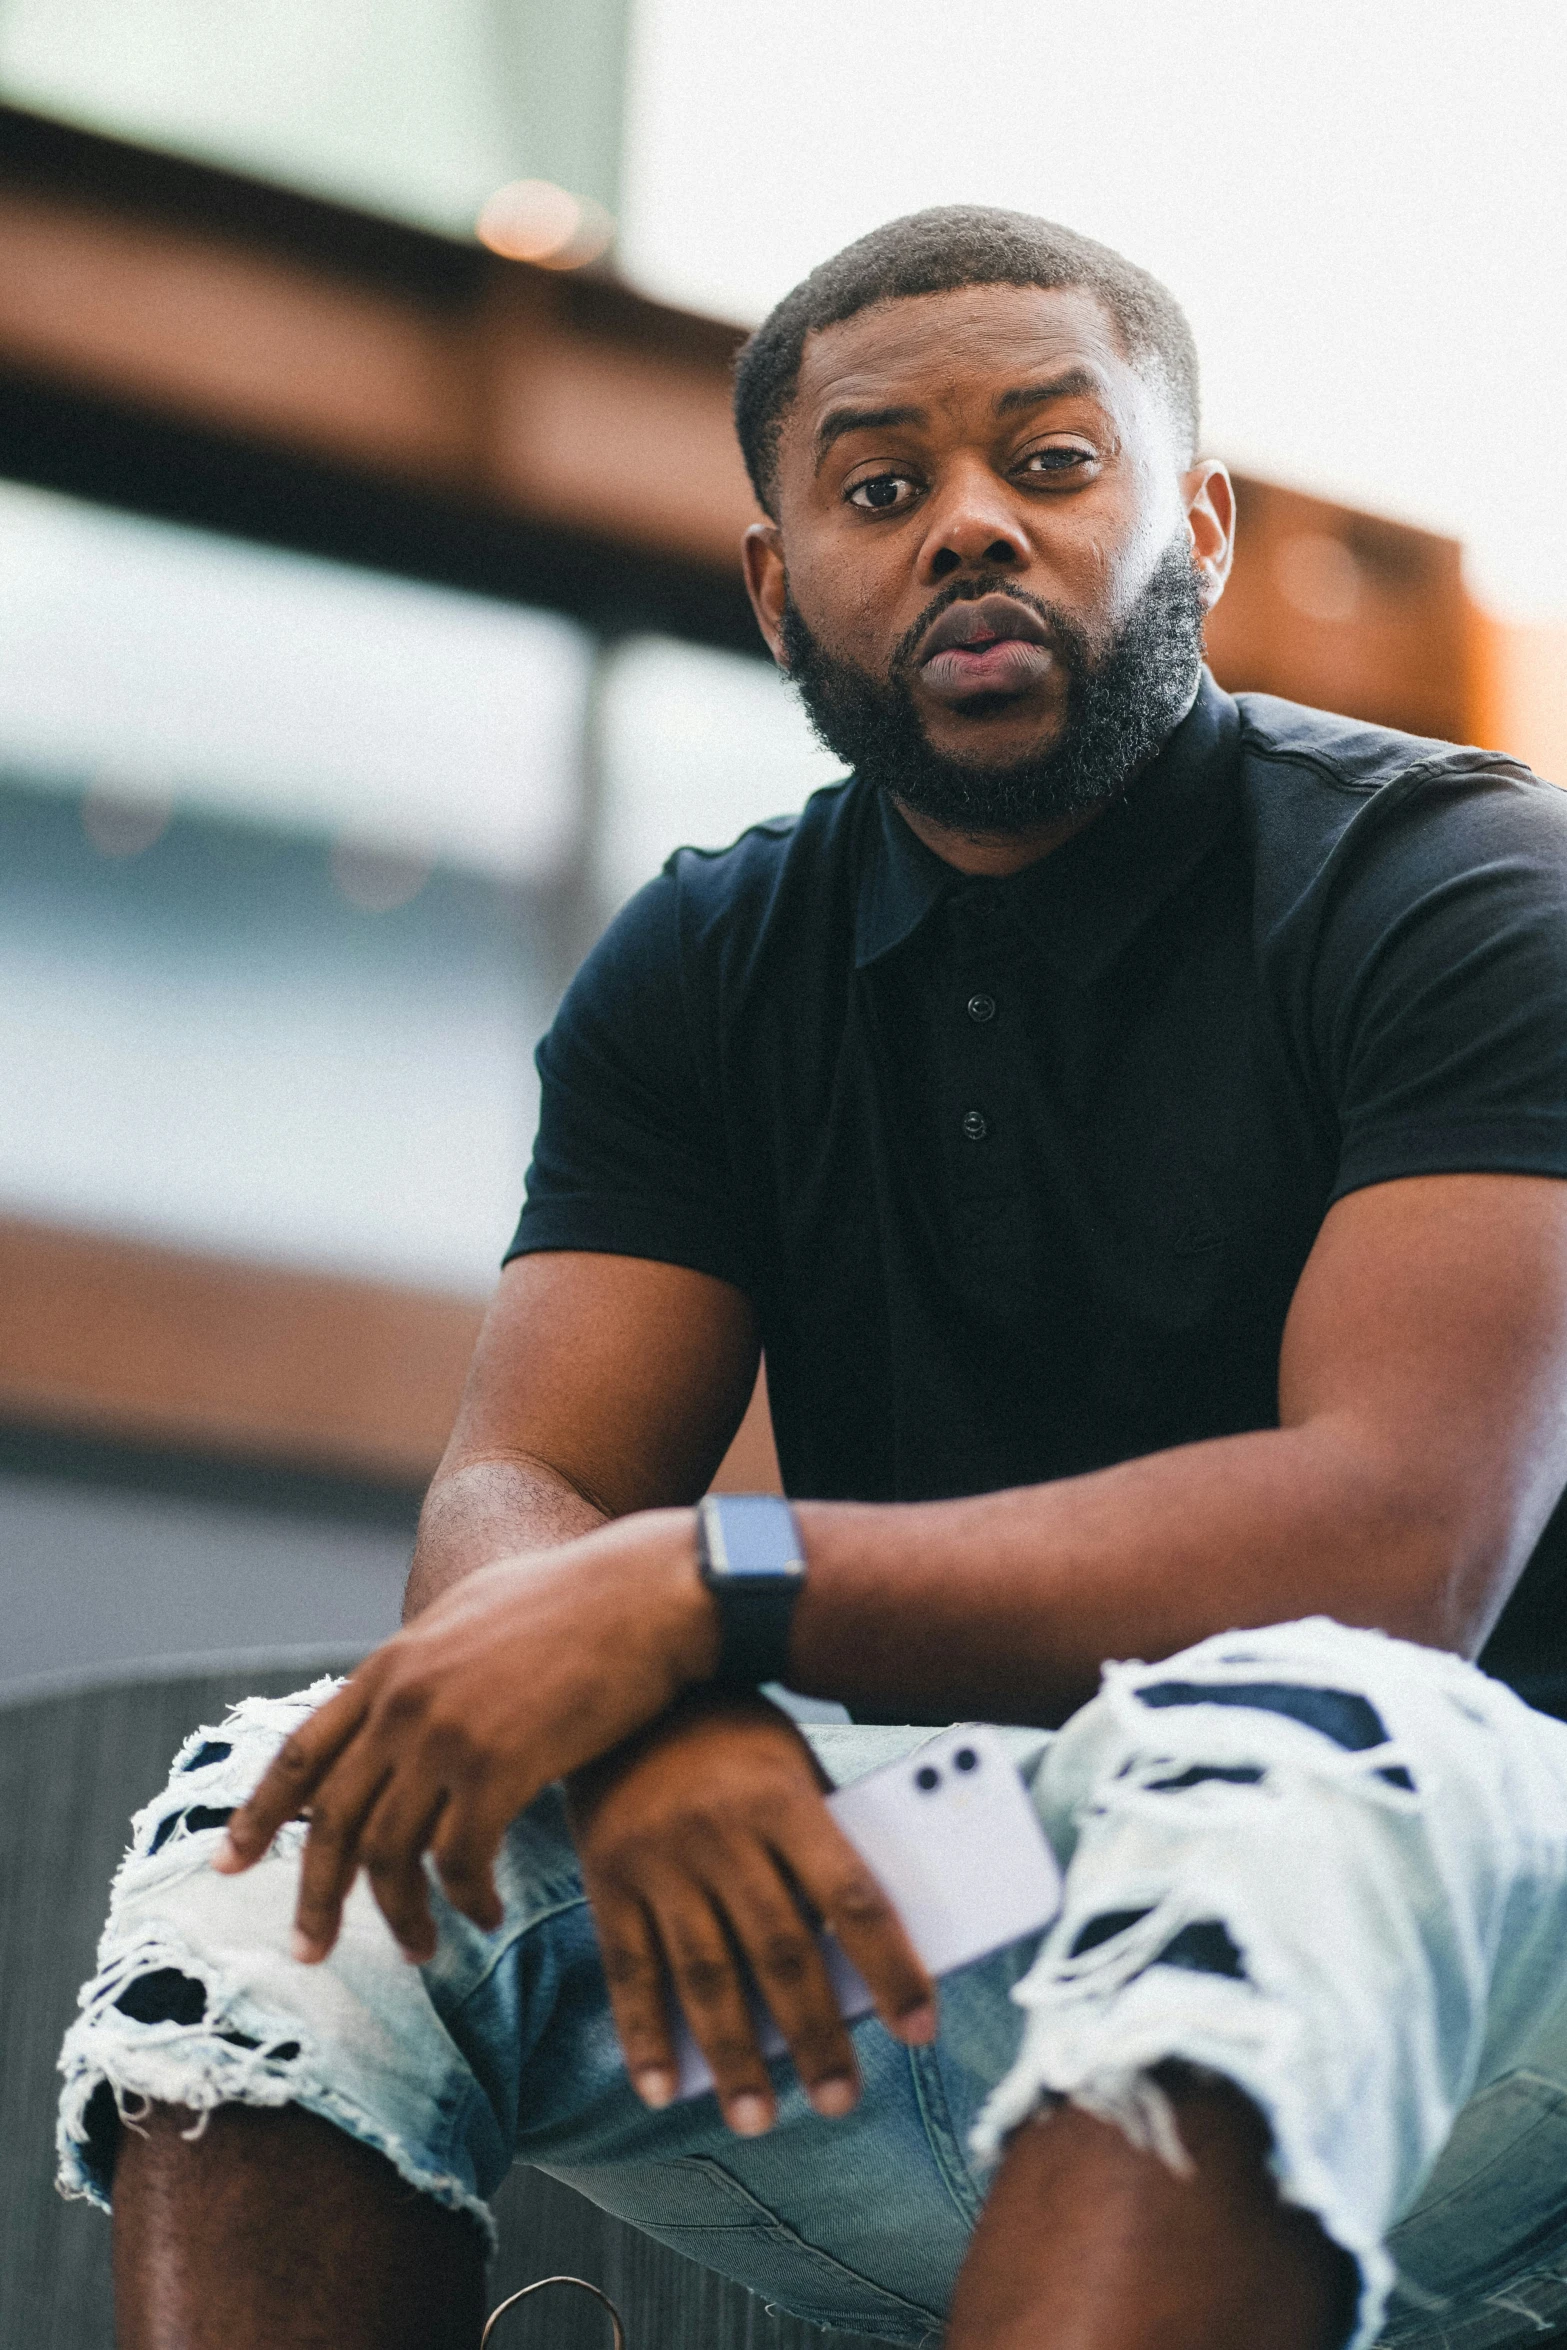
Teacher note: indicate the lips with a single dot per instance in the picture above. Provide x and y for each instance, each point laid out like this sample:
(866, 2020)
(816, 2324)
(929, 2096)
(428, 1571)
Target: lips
(994, 645)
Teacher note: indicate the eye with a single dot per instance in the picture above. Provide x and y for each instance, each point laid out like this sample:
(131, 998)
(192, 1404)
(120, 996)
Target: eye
(1057, 460)
(881, 493)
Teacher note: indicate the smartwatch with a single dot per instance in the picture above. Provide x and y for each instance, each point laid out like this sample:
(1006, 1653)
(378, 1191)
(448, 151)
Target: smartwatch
(750, 1556)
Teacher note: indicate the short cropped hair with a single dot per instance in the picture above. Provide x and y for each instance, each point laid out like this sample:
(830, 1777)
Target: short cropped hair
(936, 252)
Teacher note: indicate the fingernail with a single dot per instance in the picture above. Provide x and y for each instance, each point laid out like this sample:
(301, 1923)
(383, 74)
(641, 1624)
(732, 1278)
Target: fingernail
(918, 2024)
(835, 2096)
(655, 2087)
(748, 2115)
(227, 1857)
(303, 1948)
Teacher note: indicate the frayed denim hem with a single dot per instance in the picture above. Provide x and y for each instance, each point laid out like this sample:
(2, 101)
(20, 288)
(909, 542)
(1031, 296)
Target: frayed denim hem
(201, 2069)
(1292, 1855)
(177, 2013)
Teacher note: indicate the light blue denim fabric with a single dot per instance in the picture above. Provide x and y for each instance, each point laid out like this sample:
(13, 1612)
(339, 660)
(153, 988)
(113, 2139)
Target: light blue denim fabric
(1327, 1865)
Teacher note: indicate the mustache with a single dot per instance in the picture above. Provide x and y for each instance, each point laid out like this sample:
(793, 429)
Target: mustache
(1065, 635)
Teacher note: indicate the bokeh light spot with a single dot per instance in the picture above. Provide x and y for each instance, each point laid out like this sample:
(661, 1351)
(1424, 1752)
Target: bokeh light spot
(533, 220)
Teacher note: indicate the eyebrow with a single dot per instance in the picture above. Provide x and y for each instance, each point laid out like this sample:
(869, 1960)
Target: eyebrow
(1071, 385)
(838, 421)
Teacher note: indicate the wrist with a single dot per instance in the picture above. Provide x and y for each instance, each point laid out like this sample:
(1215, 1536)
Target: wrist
(694, 1631)
(751, 1558)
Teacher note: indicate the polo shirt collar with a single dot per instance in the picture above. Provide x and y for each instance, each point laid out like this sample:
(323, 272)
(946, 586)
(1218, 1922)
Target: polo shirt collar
(1105, 881)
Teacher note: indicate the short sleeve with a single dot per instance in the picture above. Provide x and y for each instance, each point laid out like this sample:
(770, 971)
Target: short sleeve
(631, 1158)
(1441, 981)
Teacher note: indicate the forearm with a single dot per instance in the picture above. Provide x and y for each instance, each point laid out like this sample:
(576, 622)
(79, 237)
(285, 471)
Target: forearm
(1005, 1606)
(485, 1510)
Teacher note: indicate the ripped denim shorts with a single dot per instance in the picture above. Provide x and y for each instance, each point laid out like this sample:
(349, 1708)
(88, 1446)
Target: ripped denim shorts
(1325, 1864)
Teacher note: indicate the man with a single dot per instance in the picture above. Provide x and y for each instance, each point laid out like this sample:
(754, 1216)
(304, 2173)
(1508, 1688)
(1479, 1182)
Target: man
(1133, 1123)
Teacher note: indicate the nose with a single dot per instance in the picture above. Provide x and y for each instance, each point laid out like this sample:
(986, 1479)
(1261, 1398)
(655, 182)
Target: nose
(971, 525)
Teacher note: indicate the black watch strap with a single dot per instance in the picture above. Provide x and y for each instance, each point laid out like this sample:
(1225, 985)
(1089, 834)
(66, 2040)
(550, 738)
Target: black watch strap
(752, 1560)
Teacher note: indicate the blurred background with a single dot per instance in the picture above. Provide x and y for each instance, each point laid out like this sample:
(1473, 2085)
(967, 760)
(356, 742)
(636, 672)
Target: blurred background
(370, 623)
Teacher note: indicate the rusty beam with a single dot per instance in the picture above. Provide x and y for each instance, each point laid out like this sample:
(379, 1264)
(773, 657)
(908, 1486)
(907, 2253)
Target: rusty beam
(187, 1354)
(188, 342)
(361, 388)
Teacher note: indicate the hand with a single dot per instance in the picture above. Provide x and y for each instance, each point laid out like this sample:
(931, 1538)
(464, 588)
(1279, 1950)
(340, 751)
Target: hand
(707, 1836)
(522, 1672)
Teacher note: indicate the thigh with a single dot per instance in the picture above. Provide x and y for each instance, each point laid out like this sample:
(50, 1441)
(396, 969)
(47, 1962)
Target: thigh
(1482, 2255)
(860, 2223)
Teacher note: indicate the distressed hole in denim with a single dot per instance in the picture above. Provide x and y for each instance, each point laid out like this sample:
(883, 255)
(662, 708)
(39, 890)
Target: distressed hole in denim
(1104, 1928)
(101, 2122)
(237, 2039)
(1343, 1715)
(215, 1750)
(1396, 1776)
(1238, 1775)
(199, 1816)
(1204, 1948)
(163, 1997)
(284, 2053)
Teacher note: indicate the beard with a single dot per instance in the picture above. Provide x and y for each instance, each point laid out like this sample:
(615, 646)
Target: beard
(1122, 705)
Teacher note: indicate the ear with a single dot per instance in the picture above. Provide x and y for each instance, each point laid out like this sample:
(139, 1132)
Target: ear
(767, 583)
(1210, 516)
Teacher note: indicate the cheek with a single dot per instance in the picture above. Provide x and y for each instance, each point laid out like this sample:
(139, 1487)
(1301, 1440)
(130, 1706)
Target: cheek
(844, 601)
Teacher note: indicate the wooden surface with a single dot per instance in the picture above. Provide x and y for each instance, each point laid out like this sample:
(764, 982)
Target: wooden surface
(114, 1338)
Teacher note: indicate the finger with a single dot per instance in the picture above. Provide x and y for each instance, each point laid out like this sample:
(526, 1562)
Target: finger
(338, 1812)
(780, 1945)
(836, 1881)
(392, 1846)
(638, 1990)
(291, 1778)
(704, 1975)
(464, 1848)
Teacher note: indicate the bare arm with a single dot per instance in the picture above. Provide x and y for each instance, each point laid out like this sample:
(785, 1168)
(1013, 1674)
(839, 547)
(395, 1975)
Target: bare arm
(1422, 1445)
(599, 1385)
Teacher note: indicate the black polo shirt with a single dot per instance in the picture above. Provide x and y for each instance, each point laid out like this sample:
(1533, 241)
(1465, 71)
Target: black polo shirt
(1021, 1175)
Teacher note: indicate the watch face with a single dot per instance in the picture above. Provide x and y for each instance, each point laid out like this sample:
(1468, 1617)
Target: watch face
(751, 1536)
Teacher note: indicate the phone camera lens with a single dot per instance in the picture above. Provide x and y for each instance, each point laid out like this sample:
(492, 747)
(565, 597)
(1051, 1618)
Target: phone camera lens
(965, 1759)
(926, 1778)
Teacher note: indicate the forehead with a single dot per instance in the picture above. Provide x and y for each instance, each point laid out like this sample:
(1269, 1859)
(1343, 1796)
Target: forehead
(924, 349)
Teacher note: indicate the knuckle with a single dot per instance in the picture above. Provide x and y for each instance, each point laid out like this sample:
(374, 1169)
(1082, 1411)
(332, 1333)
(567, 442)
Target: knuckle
(703, 1979)
(403, 1701)
(858, 1901)
(461, 1864)
(629, 1970)
(786, 1958)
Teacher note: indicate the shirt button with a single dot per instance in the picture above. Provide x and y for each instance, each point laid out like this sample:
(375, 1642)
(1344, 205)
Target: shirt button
(982, 1008)
(975, 1125)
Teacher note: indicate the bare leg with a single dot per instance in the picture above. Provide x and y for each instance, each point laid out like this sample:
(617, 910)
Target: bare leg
(1085, 2244)
(275, 2231)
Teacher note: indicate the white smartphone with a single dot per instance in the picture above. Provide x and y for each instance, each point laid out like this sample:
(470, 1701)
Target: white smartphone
(953, 1841)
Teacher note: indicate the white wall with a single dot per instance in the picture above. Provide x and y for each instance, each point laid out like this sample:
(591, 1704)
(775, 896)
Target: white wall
(1363, 208)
